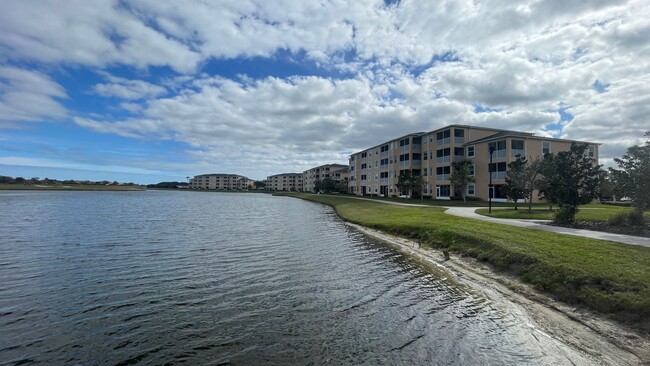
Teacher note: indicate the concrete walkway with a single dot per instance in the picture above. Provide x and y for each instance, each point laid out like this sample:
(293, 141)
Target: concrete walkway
(468, 212)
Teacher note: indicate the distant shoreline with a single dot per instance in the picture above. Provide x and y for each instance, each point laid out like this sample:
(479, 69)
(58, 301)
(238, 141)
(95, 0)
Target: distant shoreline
(79, 187)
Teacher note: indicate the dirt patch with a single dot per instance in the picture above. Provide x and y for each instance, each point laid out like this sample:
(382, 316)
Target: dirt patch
(605, 341)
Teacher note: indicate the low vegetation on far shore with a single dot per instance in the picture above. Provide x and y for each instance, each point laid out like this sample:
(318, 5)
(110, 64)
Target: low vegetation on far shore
(607, 277)
(71, 187)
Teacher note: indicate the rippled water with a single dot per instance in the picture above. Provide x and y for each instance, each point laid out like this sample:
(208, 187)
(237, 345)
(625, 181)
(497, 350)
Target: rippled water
(223, 278)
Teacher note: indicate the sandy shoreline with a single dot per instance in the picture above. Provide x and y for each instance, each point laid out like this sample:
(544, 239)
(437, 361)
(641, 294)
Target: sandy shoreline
(602, 340)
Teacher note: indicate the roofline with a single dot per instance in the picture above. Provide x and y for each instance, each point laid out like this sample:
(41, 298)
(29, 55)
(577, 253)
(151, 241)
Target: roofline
(391, 140)
(525, 135)
(277, 175)
(320, 166)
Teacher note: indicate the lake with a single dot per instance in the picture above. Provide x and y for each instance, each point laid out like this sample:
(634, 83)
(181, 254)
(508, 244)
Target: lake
(165, 277)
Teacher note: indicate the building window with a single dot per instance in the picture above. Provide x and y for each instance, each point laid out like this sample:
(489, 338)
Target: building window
(498, 170)
(443, 137)
(546, 147)
(459, 136)
(444, 190)
(517, 148)
(591, 151)
(470, 151)
(471, 170)
(499, 148)
(471, 189)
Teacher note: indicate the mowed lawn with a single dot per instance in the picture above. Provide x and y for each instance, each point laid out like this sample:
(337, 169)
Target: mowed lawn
(591, 212)
(607, 277)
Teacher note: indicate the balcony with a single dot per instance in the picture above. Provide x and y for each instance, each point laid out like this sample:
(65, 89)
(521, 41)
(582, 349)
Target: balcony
(383, 181)
(515, 152)
(383, 154)
(404, 163)
(443, 176)
(499, 154)
(404, 148)
(443, 159)
(498, 175)
(444, 141)
(458, 158)
(459, 140)
(383, 168)
(416, 163)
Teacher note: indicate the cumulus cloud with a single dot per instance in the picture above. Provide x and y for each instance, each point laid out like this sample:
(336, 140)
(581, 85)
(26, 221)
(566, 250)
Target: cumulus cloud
(580, 67)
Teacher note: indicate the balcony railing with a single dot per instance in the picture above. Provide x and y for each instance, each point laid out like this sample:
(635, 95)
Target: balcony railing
(383, 181)
(383, 154)
(459, 140)
(404, 163)
(498, 175)
(443, 159)
(499, 154)
(416, 163)
(515, 152)
(443, 176)
(458, 158)
(383, 168)
(444, 141)
(404, 148)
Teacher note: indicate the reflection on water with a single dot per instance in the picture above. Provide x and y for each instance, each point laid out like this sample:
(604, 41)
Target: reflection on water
(224, 278)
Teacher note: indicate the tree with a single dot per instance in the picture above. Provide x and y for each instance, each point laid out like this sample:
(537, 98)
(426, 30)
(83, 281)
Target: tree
(409, 183)
(516, 180)
(460, 177)
(327, 185)
(342, 186)
(259, 184)
(633, 177)
(570, 180)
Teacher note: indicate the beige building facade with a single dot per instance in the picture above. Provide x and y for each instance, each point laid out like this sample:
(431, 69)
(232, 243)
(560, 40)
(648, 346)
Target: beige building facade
(313, 175)
(221, 182)
(285, 182)
(430, 155)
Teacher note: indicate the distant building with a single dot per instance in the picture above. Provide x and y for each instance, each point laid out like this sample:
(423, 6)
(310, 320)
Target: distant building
(429, 154)
(284, 182)
(221, 181)
(331, 171)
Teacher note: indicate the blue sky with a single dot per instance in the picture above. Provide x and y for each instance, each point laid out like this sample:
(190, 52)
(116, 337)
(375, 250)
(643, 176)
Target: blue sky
(150, 91)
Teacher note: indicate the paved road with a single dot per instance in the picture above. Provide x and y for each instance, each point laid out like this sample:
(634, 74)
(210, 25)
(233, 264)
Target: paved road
(468, 212)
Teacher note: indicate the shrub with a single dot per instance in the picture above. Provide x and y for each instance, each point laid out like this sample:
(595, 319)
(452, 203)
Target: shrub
(632, 218)
(566, 214)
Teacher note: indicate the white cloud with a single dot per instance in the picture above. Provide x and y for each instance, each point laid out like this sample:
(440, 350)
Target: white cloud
(27, 96)
(128, 89)
(522, 63)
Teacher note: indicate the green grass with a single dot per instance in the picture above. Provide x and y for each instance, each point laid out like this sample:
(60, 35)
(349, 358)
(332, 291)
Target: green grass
(591, 212)
(607, 277)
(71, 187)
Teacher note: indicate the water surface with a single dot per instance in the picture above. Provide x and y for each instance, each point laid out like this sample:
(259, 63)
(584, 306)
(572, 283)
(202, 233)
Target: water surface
(223, 278)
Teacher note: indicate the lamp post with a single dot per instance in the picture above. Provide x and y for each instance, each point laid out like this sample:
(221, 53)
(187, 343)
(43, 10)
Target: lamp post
(491, 150)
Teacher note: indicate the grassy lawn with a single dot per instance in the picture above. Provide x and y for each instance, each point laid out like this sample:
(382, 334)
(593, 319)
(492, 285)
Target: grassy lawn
(607, 277)
(72, 187)
(591, 212)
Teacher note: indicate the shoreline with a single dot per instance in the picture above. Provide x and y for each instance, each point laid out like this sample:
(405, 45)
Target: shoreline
(602, 339)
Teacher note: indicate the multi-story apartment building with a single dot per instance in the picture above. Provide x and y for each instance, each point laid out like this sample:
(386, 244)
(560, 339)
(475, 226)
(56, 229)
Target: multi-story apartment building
(284, 182)
(430, 155)
(221, 181)
(376, 170)
(311, 176)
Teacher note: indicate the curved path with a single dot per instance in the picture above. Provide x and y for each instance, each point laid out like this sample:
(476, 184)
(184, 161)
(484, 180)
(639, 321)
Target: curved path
(468, 212)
